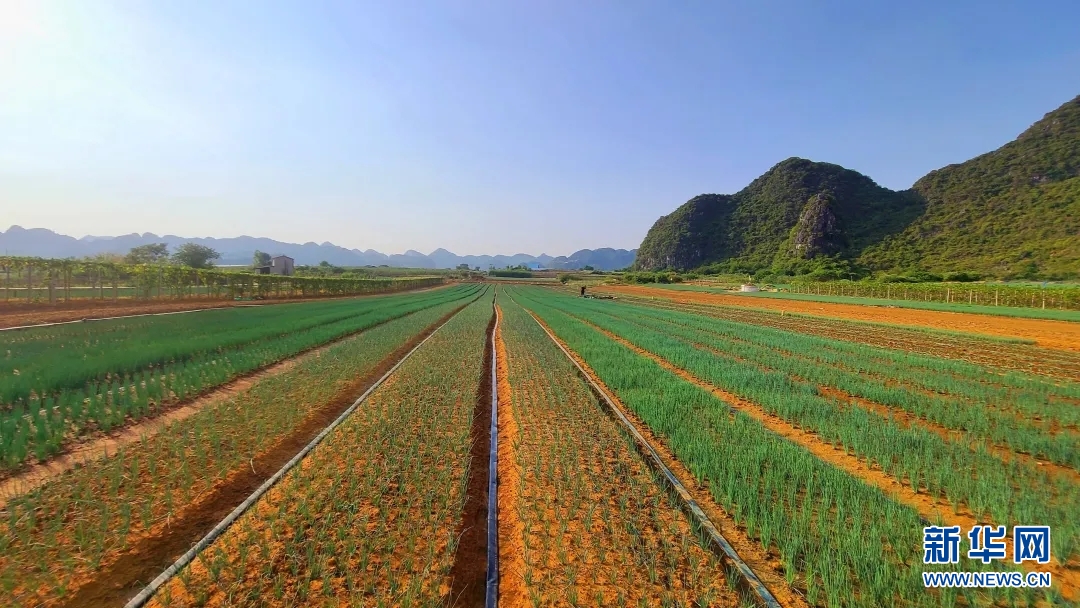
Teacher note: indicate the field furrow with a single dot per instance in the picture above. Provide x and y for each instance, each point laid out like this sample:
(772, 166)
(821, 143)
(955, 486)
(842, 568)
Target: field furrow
(587, 522)
(371, 516)
(789, 491)
(1051, 334)
(60, 384)
(92, 534)
(956, 420)
(1032, 424)
(1015, 355)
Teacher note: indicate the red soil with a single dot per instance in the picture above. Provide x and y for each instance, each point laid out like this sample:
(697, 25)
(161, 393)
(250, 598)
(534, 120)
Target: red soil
(469, 573)
(1058, 335)
(122, 576)
(21, 314)
(766, 563)
(512, 593)
(1066, 576)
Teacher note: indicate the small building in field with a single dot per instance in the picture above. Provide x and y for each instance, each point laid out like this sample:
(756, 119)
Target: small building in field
(280, 264)
(749, 288)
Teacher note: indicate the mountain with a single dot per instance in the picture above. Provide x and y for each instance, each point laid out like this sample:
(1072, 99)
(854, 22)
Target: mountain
(1013, 212)
(41, 242)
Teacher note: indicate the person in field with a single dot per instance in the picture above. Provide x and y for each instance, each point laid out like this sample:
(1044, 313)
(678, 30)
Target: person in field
(583, 291)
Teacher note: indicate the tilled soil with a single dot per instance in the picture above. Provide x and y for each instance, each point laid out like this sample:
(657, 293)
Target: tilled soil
(14, 314)
(638, 548)
(1066, 576)
(121, 579)
(1058, 335)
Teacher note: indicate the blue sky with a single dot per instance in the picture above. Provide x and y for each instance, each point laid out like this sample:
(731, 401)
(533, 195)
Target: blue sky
(491, 127)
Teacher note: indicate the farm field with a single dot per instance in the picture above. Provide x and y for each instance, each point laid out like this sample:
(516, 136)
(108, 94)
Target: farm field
(1020, 357)
(609, 537)
(20, 314)
(1050, 334)
(90, 536)
(841, 482)
(370, 516)
(648, 452)
(59, 383)
(1060, 306)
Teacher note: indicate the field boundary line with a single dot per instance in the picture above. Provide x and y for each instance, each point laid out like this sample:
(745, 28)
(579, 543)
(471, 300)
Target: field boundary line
(148, 592)
(692, 507)
(491, 599)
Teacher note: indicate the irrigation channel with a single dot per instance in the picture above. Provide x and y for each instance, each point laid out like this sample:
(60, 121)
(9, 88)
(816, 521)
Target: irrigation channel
(652, 456)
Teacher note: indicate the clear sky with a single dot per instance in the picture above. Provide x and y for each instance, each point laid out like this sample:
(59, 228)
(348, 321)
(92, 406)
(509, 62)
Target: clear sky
(491, 127)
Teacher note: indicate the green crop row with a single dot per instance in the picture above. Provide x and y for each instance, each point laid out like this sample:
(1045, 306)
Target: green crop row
(40, 426)
(41, 361)
(1026, 424)
(82, 521)
(616, 527)
(926, 371)
(845, 542)
(927, 462)
(1061, 303)
(1004, 362)
(370, 516)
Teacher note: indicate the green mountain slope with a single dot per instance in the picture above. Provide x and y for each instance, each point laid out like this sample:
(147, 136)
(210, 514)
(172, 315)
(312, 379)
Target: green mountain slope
(1011, 212)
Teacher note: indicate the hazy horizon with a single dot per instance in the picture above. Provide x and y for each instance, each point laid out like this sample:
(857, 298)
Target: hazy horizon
(256, 236)
(494, 128)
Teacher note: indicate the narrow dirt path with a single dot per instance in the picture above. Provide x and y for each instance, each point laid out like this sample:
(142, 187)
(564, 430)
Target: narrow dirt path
(1067, 577)
(469, 572)
(766, 564)
(121, 578)
(512, 592)
(1058, 335)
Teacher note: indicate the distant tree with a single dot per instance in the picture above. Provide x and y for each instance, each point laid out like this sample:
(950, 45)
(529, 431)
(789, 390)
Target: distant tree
(587, 267)
(105, 258)
(462, 266)
(148, 254)
(260, 259)
(195, 255)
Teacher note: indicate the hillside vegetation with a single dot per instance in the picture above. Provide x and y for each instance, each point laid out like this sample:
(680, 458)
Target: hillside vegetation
(1011, 213)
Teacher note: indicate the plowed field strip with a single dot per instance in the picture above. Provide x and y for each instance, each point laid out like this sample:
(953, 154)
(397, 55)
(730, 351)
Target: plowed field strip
(1058, 335)
(24, 316)
(511, 530)
(1065, 576)
(766, 582)
(142, 562)
(369, 516)
(902, 417)
(468, 574)
(1006, 357)
(35, 476)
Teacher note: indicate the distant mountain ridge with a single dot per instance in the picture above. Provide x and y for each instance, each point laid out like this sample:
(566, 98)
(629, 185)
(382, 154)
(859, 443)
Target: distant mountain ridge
(42, 242)
(1010, 213)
